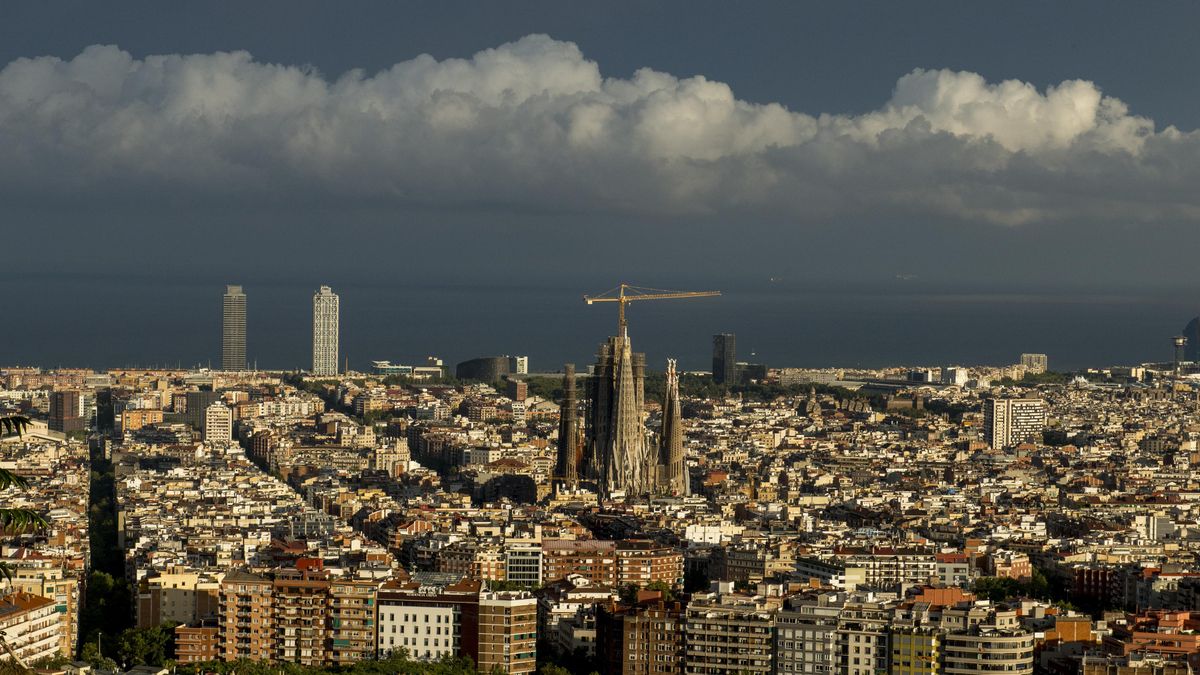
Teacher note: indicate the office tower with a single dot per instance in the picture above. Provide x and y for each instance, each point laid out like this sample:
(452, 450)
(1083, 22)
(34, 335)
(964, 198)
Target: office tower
(568, 430)
(1009, 421)
(1192, 332)
(724, 367)
(1035, 363)
(233, 331)
(325, 332)
(672, 473)
(218, 423)
(518, 365)
(619, 457)
(66, 411)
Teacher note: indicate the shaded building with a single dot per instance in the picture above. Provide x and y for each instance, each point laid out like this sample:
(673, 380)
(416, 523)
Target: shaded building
(567, 468)
(640, 639)
(724, 363)
(483, 369)
(66, 411)
(672, 472)
(233, 329)
(1192, 332)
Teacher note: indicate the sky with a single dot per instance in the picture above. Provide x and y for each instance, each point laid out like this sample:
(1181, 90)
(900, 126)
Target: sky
(1008, 148)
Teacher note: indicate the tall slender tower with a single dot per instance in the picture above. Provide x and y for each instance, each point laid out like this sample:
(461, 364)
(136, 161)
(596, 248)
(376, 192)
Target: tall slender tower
(724, 368)
(325, 332)
(616, 431)
(233, 329)
(672, 473)
(568, 431)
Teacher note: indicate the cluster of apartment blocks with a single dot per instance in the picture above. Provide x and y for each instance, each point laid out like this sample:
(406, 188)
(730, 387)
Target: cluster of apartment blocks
(39, 613)
(316, 617)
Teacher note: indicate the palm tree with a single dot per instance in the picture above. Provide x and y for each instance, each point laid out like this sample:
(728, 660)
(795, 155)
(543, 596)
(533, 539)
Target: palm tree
(15, 520)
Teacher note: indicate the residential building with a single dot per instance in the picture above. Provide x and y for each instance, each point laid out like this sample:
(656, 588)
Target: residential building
(1009, 421)
(507, 637)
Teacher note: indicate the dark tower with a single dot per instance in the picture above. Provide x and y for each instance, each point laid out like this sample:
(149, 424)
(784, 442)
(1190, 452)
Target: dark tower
(724, 364)
(1180, 343)
(568, 430)
(672, 473)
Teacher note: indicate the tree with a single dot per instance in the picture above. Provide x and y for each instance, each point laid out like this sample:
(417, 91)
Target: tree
(15, 520)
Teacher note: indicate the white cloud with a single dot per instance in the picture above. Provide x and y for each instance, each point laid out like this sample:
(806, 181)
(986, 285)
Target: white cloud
(533, 124)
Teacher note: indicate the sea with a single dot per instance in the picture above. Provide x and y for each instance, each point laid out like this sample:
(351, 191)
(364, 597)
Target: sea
(101, 322)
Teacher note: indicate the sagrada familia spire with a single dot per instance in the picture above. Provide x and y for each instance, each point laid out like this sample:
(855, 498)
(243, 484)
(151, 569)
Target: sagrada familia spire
(567, 469)
(672, 473)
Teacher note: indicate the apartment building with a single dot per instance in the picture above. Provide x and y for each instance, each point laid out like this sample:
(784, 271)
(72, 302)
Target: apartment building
(641, 562)
(641, 639)
(592, 559)
(31, 627)
(507, 637)
(729, 633)
(428, 621)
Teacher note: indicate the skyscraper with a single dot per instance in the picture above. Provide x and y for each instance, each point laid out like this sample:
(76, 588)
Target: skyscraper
(233, 330)
(672, 474)
(325, 332)
(619, 457)
(724, 368)
(568, 430)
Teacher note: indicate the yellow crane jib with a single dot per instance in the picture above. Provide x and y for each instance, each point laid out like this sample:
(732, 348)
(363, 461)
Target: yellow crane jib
(625, 294)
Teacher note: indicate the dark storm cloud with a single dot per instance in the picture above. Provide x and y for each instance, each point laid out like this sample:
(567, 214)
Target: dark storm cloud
(535, 125)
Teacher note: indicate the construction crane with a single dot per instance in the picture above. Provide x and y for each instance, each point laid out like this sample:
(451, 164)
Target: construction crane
(625, 294)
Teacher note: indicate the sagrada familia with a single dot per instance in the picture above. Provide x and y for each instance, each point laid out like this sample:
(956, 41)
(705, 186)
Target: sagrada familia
(610, 444)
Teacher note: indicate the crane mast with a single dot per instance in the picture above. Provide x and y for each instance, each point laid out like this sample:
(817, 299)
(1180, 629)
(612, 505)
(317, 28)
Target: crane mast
(626, 293)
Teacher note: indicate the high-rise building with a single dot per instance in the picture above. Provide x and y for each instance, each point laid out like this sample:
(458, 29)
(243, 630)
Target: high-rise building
(518, 365)
(66, 411)
(325, 332)
(619, 456)
(507, 633)
(1009, 421)
(1035, 363)
(724, 364)
(233, 329)
(672, 473)
(568, 430)
(218, 423)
